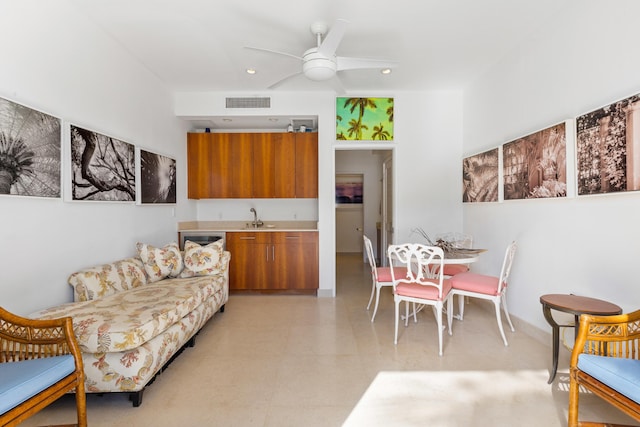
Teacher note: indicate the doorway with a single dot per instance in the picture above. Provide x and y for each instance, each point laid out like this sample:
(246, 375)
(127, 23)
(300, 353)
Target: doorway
(349, 212)
(371, 164)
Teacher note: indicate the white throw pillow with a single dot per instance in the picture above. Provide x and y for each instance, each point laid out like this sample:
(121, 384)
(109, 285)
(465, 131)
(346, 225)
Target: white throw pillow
(202, 260)
(160, 263)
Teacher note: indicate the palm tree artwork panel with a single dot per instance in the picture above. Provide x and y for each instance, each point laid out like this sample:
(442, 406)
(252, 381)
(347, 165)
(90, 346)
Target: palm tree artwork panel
(535, 166)
(30, 145)
(102, 167)
(364, 119)
(480, 177)
(608, 148)
(157, 178)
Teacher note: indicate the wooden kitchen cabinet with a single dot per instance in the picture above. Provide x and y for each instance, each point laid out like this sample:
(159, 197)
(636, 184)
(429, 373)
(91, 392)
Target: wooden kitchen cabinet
(219, 165)
(273, 261)
(306, 165)
(274, 165)
(252, 165)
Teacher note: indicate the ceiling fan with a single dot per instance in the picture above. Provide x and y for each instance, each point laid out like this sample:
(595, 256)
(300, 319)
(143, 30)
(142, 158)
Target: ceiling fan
(320, 63)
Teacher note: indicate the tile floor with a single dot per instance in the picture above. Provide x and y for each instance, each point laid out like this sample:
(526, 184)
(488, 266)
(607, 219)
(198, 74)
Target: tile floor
(307, 361)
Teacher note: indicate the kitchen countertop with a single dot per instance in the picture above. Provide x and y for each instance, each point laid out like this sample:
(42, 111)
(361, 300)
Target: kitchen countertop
(204, 226)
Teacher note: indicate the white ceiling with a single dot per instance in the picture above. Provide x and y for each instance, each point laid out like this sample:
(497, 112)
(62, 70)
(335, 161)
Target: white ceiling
(198, 45)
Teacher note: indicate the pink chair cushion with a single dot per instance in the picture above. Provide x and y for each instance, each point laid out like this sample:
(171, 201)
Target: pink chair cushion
(453, 269)
(384, 273)
(421, 291)
(478, 283)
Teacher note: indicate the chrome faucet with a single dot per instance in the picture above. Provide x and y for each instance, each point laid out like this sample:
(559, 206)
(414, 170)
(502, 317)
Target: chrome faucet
(256, 222)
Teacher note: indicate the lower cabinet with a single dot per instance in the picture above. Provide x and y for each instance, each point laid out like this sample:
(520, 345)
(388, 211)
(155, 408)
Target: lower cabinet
(273, 261)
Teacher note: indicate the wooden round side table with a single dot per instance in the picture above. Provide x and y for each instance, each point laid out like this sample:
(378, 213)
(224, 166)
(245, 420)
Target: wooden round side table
(575, 305)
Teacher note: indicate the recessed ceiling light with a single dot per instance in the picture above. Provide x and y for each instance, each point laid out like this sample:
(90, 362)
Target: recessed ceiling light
(386, 71)
(251, 71)
(273, 119)
(227, 120)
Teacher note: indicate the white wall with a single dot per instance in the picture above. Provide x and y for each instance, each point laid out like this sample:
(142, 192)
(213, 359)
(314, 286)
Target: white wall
(583, 58)
(56, 60)
(427, 153)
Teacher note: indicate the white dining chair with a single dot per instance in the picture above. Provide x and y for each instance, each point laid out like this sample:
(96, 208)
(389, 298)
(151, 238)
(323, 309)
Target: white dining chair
(380, 276)
(413, 285)
(490, 288)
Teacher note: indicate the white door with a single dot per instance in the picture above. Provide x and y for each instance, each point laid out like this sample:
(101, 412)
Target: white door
(387, 209)
(349, 226)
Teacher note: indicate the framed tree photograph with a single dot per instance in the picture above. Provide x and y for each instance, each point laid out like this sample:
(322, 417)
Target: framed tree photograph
(157, 178)
(102, 167)
(480, 177)
(364, 119)
(30, 145)
(535, 166)
(608, 148)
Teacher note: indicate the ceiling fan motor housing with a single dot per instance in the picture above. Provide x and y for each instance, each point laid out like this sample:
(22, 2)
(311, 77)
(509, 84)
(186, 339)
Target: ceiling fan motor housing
(318, 67)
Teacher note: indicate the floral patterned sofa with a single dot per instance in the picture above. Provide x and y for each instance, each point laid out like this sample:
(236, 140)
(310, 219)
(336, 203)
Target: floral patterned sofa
(131, 317)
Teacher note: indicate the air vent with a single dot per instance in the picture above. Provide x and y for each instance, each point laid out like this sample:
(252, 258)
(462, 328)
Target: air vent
(248, 102)
(308, 123)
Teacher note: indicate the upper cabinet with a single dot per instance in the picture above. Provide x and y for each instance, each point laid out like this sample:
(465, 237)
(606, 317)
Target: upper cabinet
(252, 165)
(306, 165)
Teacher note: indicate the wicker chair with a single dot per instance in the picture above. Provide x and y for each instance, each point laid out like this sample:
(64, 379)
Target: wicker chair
(610, 345)
(40, 342)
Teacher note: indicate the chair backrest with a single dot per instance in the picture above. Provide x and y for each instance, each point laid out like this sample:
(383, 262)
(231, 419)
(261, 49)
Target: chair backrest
(420, 262)
(506, 265)
(370, 257)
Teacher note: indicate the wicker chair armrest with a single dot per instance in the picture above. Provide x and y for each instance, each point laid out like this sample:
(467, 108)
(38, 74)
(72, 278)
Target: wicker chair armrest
(23, 338)
(612, 336)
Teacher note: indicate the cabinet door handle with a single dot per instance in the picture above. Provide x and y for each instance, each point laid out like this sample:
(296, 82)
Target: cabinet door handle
(273, 252)
(292, 237)
(266, 252)
(247, 238)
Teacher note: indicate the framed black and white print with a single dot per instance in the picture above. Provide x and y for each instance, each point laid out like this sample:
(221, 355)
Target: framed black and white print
(30, 143)
(535, 166)
(480, 177)
(157, 178)
(608, 148)
(102, 167)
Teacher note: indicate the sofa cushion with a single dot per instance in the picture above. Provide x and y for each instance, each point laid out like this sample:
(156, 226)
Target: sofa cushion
(160, 263)
(125, 320)
(622, 375)
(107, 279)
(23, 380)
(203, 260)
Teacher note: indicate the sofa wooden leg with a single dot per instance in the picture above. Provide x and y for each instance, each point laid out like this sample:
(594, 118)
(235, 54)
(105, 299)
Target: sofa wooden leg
(136, 398)
(222, 308)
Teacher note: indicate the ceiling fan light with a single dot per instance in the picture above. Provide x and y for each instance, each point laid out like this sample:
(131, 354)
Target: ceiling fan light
(318, 67)
(319, 73)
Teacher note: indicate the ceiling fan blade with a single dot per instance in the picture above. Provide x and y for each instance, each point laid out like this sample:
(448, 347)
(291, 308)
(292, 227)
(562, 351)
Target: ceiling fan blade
(274, 51)
(284, 79)
(333, 38)
(346, 63)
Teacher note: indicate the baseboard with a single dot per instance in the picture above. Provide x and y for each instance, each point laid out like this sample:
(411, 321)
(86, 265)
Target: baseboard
(325, 293)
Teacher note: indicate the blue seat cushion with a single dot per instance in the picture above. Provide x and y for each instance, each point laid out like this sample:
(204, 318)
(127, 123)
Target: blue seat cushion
(622, 375)
(22, 380)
